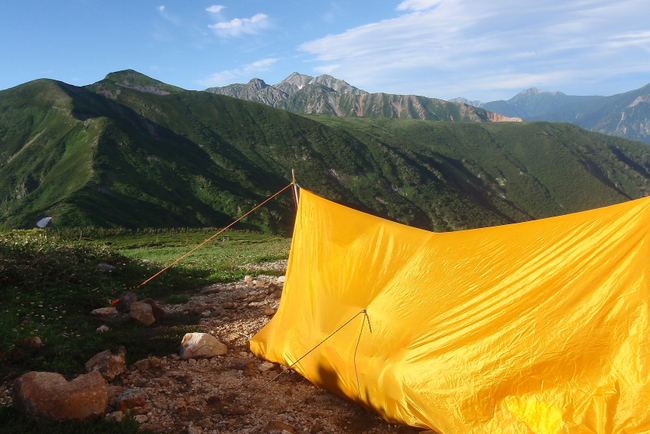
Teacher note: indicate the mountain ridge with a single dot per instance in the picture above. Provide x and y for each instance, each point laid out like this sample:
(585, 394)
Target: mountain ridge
(325, 94)
(93, 156)
(625, 114)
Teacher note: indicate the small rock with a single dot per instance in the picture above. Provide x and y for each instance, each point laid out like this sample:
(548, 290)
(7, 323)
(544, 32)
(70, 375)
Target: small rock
(248, 279)
(117, 416)
(279, 426)
(48, 396)
(228, 305)
(266, 366)
(109, 315)
(281, 279)
(32, 342)
(141, 418)
(130, 399)
(201, 345)
(108, 364)
(269, 311)
(142, 312)
(102, 329)
(142, 365)
(191, 429)
(316, 428)
(114, 393)
(105, 266)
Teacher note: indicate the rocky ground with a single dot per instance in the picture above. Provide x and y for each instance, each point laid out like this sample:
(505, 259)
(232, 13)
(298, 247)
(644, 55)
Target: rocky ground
(234, 393)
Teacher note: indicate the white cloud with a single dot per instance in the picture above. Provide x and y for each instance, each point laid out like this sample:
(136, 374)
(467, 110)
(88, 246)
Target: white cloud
(215, 9)
(227, 77)
(238, 26)
(169, 17)
(418, 5)
(439, 46)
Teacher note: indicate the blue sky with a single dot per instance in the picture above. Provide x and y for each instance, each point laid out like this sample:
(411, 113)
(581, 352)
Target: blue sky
(478, 49)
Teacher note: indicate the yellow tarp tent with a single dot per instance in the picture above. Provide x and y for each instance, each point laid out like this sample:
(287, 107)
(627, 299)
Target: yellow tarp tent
(538, 327)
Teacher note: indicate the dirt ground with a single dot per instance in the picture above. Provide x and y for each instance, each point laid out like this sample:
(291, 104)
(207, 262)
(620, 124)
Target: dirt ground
(236, 392)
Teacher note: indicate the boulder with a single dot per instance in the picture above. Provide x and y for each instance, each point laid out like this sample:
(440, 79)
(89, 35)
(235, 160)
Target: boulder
(109, 365)
(201, 345)
(142, 312)
(49, 396)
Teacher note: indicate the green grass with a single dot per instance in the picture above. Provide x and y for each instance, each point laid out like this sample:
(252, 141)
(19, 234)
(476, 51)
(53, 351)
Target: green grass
(50, 282)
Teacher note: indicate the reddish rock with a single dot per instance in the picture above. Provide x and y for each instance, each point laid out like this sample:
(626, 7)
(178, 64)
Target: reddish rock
(130, 399)
(142, 312)
(109, 365)
(49, 396)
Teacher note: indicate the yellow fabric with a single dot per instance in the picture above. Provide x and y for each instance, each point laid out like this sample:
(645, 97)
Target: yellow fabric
(539, 327)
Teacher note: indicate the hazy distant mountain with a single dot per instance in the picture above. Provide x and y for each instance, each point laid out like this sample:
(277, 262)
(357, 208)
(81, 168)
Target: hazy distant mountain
(304, 94)
(624, 115)
(132, 151)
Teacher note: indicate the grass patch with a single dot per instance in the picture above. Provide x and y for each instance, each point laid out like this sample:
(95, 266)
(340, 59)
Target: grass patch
(50, 281)
(177, 299)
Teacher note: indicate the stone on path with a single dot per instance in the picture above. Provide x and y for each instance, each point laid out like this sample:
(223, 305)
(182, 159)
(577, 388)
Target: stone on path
(49, 396)
(201, 345)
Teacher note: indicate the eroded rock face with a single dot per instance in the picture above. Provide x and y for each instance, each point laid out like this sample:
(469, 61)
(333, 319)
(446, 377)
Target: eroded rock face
(49, 396)
(201, 345)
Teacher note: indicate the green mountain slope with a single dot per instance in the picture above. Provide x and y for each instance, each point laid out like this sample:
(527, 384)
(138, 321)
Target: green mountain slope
(129, 151)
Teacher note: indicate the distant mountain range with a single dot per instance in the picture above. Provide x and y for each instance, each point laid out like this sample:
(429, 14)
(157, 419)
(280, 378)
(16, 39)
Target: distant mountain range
(304, 94)
(132, 151)
(623, 115)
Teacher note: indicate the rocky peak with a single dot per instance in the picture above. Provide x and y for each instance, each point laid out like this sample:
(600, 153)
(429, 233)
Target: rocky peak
(461, 100)
(294, 83)
(337, 85)
(257, 84)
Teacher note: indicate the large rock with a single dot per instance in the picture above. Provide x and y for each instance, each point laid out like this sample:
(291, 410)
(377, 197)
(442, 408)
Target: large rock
(201, 345)
(49, 396)
(109, 365)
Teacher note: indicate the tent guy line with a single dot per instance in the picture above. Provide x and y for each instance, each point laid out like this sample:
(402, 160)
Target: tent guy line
(362, 312)
(268, 199)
